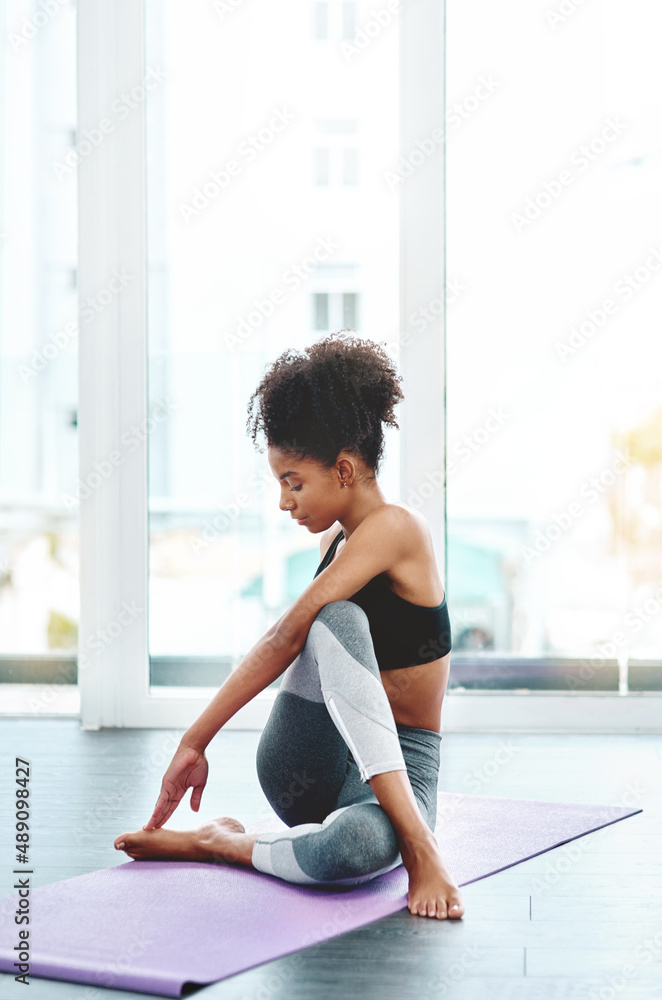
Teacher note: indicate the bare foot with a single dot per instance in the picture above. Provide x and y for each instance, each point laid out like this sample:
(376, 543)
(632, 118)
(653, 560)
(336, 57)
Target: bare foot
(222, 839)
(432, 889)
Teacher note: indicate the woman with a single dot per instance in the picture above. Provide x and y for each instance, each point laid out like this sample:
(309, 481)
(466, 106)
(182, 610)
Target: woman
(349, 758)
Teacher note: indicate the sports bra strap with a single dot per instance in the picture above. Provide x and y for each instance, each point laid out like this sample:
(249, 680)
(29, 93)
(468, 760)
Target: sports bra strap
(330, 552)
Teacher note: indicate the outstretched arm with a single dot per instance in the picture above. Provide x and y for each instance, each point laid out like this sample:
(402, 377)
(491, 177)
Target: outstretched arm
(373, 547)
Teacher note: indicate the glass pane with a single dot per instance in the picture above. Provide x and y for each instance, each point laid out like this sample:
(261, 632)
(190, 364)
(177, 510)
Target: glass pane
(554, 200)
(39, 487)
(245, 255)
(349, 310)
(349, 19)
(322, 163)
(321, 16)
(321, 305)
(350, 166)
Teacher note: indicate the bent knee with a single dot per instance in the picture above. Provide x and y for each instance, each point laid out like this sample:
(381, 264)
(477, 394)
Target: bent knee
(338, 613)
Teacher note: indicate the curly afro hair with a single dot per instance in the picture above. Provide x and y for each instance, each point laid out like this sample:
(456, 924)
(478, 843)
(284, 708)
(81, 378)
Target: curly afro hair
(333, 395)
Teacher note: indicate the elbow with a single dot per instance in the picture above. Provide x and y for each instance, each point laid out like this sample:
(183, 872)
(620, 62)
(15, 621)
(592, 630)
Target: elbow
(285, 638)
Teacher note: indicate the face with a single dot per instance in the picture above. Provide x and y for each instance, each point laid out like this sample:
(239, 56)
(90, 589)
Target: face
(308, 490)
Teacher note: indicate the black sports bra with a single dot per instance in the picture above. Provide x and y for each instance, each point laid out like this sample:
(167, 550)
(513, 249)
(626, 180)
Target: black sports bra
(403, 634)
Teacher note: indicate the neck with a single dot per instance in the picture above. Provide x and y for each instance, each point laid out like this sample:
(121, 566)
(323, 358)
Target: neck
(359, 508)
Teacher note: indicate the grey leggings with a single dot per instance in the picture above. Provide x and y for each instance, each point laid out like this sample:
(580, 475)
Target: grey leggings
(331, 728)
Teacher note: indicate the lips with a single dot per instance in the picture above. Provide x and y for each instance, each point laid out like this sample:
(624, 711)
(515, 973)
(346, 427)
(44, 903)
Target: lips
(300, 519)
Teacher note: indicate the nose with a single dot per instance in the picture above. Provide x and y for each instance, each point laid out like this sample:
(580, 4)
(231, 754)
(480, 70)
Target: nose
(285, 502)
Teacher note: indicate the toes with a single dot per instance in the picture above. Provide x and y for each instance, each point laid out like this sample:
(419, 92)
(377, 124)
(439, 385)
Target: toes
(455, 910)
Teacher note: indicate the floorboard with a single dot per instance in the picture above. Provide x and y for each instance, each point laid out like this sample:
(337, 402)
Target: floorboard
(580, 922)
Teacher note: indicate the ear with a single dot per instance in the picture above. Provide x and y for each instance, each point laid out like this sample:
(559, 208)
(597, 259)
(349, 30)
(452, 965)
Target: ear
(346, 470)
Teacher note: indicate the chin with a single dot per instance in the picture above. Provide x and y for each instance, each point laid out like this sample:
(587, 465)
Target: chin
(319, 529)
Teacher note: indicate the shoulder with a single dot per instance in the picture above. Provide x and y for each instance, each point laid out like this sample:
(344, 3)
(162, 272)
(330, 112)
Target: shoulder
(387, 539)
(395, 526)
(407, 518)
(403, 535)
(400, 518)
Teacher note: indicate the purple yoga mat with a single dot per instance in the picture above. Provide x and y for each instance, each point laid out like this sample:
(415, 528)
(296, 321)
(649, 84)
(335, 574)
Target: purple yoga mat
(153, 926)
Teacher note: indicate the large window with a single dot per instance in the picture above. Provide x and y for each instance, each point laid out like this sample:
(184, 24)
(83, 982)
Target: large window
(251, 250)
(554, 394)
(39, 333)
(249, 181)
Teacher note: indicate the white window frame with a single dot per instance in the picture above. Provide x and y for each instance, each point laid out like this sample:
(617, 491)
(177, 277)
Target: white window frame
(114, 537)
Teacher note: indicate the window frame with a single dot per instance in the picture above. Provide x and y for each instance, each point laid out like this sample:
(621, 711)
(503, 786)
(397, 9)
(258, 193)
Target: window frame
(114, 528)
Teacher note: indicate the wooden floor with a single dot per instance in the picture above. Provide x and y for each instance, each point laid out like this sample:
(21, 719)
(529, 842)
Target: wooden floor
(546, 929)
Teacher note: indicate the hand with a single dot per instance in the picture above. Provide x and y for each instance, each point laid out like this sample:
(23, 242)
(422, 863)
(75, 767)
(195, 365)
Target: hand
(188, 768)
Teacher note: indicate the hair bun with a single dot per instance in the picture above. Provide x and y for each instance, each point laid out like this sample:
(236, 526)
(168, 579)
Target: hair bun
(334, 395)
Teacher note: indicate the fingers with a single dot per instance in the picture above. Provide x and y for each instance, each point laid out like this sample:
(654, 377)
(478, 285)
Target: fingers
(163, 810)
(196, 796)
(173, 786)
(156, 819)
